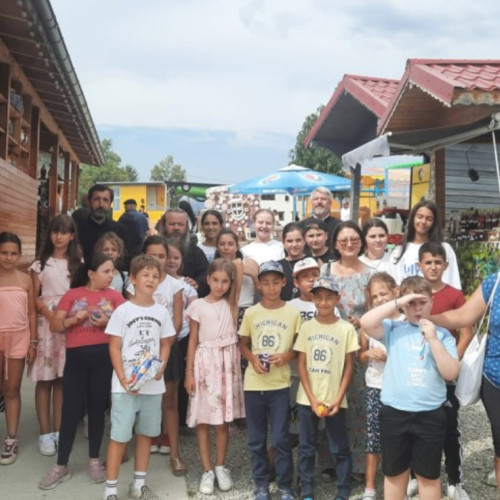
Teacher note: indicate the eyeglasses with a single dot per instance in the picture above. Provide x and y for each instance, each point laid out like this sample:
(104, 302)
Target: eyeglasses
(345, 241)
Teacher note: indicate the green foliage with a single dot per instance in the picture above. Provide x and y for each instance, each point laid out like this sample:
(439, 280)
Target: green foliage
(168, 170)
(319, 159)
(476, 261)
(111, 171)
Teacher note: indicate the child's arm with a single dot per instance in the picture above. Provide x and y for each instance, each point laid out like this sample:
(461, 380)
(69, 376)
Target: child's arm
(344, 383)
(40, 304)
(178, 310)
(30, 358)
(365, 354)
(282, 358)
(60, 321)
(238, 263)
(115, 354)
(189, 382)
(447, 366)
(251, 268)
(250, 356)
(164, 355)
(304, 380)
(371, 322)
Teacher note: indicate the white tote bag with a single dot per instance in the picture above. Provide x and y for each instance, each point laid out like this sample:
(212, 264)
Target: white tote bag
(471, 369)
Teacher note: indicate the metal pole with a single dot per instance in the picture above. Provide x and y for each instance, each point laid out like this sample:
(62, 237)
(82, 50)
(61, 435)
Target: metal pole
(496, 158)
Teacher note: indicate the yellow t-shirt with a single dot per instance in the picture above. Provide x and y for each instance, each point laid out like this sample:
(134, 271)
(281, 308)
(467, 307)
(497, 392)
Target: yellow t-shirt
(325, 347)
(271, 331)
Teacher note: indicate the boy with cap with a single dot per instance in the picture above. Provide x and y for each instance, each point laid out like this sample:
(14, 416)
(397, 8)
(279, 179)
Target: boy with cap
(326, 345)
(267, 333)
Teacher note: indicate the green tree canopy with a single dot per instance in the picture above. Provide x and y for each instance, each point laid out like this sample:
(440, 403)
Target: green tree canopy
(168, 170)
(319, 159)
(111, 171)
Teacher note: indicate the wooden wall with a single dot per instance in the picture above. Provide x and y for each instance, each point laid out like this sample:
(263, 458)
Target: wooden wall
(18, 207)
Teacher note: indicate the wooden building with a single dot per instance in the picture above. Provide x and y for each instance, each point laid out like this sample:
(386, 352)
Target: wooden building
(46, 130)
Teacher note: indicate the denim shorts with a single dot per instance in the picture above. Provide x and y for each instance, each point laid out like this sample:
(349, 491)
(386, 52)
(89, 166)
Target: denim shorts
(140, 413)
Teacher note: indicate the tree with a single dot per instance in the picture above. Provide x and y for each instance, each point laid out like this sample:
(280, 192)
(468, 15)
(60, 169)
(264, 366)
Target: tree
(111, 171)
(320, 159)
(168, 170)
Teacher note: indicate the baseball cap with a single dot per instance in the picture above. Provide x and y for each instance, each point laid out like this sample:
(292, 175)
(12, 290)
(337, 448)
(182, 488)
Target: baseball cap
(302, 265)
(271, 266)
(327, 282)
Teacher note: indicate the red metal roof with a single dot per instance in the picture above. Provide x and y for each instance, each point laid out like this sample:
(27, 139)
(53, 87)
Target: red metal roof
(374, 93)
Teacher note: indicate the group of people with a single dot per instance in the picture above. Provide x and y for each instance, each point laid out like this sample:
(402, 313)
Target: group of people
(325, 333)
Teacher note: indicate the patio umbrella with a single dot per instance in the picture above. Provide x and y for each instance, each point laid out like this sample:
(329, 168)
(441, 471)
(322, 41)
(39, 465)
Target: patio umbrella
(291, 180)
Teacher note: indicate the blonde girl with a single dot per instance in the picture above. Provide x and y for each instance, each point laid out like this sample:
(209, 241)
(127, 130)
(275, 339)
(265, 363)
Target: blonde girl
(18, 341)
(112, 245)
(213, 375)
(381, 288)
(51, 274)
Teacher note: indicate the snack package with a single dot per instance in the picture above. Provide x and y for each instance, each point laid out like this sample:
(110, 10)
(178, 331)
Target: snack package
(144, 370)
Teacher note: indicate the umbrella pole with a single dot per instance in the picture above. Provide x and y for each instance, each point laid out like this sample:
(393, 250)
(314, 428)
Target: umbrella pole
(294, 208)
(496, 159)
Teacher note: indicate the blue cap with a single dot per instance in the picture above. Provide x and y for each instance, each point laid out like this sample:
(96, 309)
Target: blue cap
(271, 266)
(327, 282)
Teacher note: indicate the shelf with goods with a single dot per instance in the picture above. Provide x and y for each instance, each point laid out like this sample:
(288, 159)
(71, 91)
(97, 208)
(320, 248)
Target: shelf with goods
(18, 127)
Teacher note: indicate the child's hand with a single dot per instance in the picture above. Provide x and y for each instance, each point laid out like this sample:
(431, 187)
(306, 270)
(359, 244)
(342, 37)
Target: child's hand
(258, 367)
(278, 359)
(190, 281)
(125, 383)
(377, 354)
(161, 371)
(333, 409)
(98, 319)
(405, 299)
(319, 408)
(428, 329)
(354, 321)
(81, 316)
(189, 384)
(31, 355)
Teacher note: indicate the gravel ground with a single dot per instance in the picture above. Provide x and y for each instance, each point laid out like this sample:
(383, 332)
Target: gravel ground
(478, 458)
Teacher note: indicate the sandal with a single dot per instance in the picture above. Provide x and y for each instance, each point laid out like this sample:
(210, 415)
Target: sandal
(9, 454)
(178, 466)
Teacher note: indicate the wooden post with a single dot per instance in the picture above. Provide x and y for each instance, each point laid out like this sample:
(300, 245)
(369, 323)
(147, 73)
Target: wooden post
(355, 192)
(65, 204)
(34, 142)
(440, 182)
(53, 177)
(73, 202)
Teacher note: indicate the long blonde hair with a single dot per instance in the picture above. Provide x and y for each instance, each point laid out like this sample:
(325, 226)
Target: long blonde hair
(229, 268)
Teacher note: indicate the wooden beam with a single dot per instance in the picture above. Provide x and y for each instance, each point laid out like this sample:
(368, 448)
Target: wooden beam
(74, 186)
(65, 195)
(34, 142)
(53, 177)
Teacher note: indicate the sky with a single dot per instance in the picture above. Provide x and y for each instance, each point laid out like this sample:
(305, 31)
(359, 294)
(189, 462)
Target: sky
(224, 86)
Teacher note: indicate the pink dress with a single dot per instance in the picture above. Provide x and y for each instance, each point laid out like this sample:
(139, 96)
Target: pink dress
(51, 353)
(218, 397)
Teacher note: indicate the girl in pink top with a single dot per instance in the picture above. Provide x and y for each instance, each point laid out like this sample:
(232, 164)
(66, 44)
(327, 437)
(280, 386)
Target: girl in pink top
(83, 314)
(213, 375)
(17, 336)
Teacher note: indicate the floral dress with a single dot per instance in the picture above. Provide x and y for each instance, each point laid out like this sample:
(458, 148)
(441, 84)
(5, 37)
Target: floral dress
(218, 396)
(51, 350)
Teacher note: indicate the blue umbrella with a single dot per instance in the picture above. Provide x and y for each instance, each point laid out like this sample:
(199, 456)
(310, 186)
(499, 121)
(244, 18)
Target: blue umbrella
(291, 180)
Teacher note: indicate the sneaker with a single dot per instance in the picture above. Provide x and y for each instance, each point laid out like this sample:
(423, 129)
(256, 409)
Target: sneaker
(47, 445)
(164, 445)
(412, 488)
(369, 495)
(96, 471)
(286, 494)
(457, 492)
(491, 480)
(224, 481)
(58, 474)
(9, 454)
(207, 483)
(261, 493)
(110, 497)
(143, 494)
(154, 445)
(55, 437)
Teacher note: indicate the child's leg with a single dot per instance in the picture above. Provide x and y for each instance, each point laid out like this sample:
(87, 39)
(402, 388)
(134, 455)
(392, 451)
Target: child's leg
(256, 410)
(452, 447)
(114, 458)
(338, 441)
(308, 429)
(428, 489)
(57, 399)
(373, 448)
(142, 452)
(279, 414)
(171, 417)
(371, 469)
(395, 486)
(43, 391)
(203, 439)
(12, 394)
(221, 440)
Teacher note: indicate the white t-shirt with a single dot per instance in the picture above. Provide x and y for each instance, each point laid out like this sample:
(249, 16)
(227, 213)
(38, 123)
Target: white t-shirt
(408, 265)
(262, 252)
(379, 265)
(208, 251)
(164, 294)
(141, 329)
(188, 292)
(247, 292)
(306, 308)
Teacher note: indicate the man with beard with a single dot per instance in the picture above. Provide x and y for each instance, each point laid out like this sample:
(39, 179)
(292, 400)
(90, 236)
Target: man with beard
(174, 225)
(321, 201)
(91, 227)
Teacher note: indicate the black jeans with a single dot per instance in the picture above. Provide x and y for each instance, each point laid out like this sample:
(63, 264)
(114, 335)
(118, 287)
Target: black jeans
(453, 441)
(86, 379)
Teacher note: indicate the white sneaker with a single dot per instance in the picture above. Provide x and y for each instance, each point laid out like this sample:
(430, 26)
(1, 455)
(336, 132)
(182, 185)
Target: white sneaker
(207, 483)
(491, 480)
(47, 445)
(224, 480)
(412, 488)
(55, 437)
(457, 492)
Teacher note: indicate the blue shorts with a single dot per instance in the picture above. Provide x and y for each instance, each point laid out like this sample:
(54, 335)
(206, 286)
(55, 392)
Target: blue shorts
(141, 413)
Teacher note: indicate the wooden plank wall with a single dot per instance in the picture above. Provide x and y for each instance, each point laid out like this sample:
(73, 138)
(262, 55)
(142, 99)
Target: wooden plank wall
(18, 207)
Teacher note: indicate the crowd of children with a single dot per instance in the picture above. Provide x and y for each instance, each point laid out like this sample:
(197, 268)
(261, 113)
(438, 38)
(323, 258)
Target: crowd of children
(299, 357)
